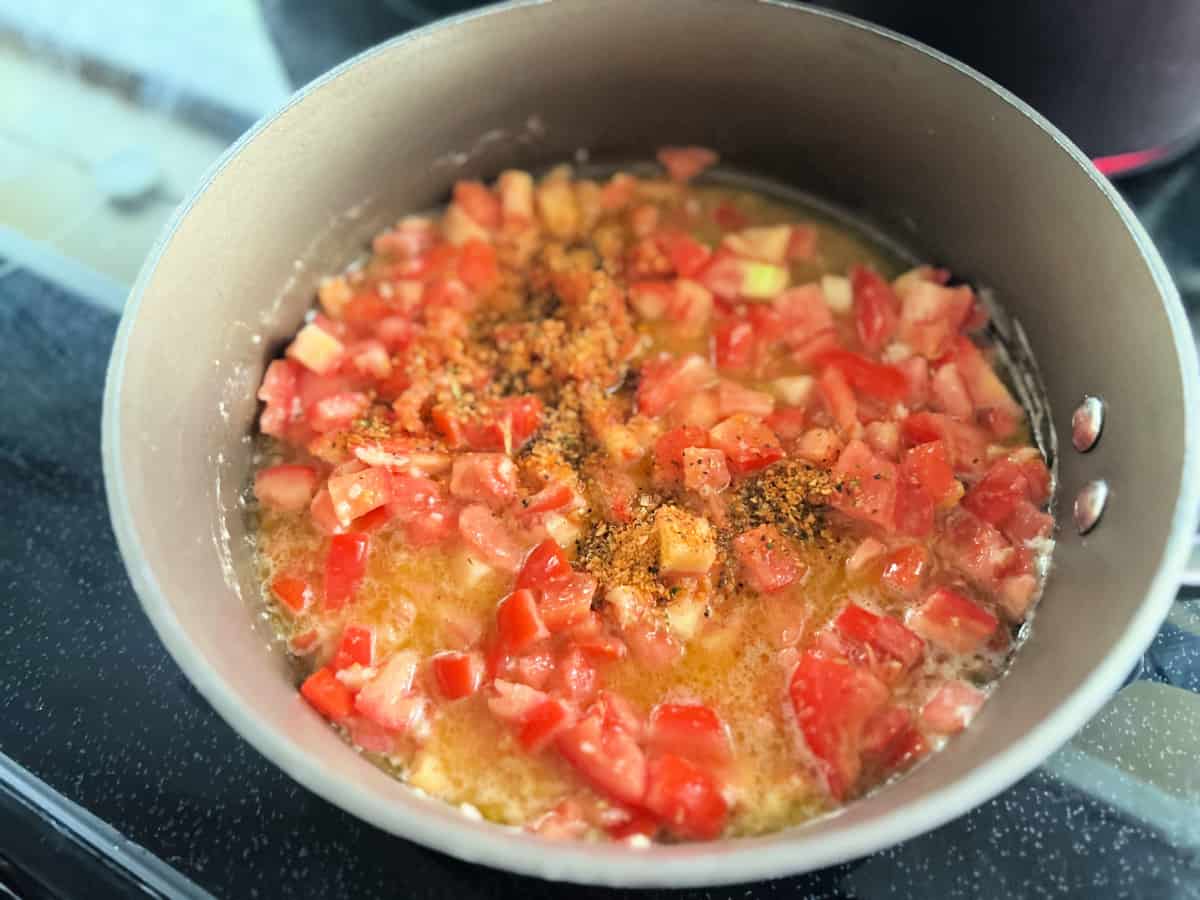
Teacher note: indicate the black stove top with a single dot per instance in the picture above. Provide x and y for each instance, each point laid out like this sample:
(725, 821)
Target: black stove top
(116, 778)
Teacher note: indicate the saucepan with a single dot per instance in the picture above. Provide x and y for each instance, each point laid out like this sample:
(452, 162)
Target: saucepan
(931, 153)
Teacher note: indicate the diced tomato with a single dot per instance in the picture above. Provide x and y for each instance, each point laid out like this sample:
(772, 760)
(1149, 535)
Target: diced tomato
(729, 217)
(565, 822)
(602, 647)
(995, 497)
(327, 695)
(905, 569)
(544, 723)
(278, 392)
(533, 669)
(949, 393)
(931, 315)
(420, 506)
(345, 567)
(688, 256)
(951, 709)
(985, 387)
(704, 471)
(686, 797)
(865, 555)
(1027, 523)
(1036, 474)
(323, 516)
(457, 674)
(666, 380)
(652, 645)
(316, 349)
(1016, 594)
(567, 600)
(545, 563)
(951, 621)
(668, 452)
(294, 593)
(876, 309)
(733, 344)
(575, 677)
(787, 422)
(975, 548)
(928, 466)
(551, 498)
(639, 825)
(412, 237)
(478, 202)
(691, 730)
(618, 712)
(489, 537)
(724, 275)
(834, 700)
(892, 741)
(685, 163)
(508, 426)
(651, 299)
(519, 621)
(839, 399)
(489, 478)
(881, 633)
(513, 702)
(966, 444)
(305, 642)
(515, 189)
(615, 495)
(733, 398)
(357, 493)
(747, 443)
(477, 266)
(356, 646)
(364, 310)
(607, 757)
(287, 488)
(873, 379)
(765, 560)
(819, 445)
(388, 699)
(370, 359)
(337, 411)
(868, 485)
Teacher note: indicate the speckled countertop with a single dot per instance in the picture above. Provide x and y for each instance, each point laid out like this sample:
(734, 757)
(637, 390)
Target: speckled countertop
(116, 773)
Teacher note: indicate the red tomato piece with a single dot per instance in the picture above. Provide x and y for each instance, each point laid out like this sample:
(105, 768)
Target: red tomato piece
(868, 485)
(607, 757)
(323, 516)
(892, 741)
(477, 266)
(327, 695)
(905, 569)
(345, 567)
(704, 471)
(668, 452)
(388, 699)
(788, 422)
(575, 677)
(975, 548)
(545, 563)
(931, 315)
(1016, 594)
(881, 633)
(519, 621)
(729, 217)
(513, 702)
(356, 646)
(420, 506)
(877, 380)
(985, 387)
(690, 730)
(1036, 474)
(550, 498)
(951, 621)
(304, 643)
(688, 256)
(966, 444)
(747, 443)
(508, 426)
(337, 412)
(1027, 523)
(544, 724)
(490, 538)
(365, 309)
(278, 392)
(358, 493)
(287, 488)
(951, 709)
(478, 202)
(928, 466)
(685, 163)
(876, 309)
(732, 398)
(489, 478)
(457, 674)
(567, 601)
(652, 645)
(765, 560)
(733, 344)
(995, 497)
(295, 594)
(834, 700)
(686, 797)
(839, 399)
(534, 669)
(803, 314)
(639, 825)
(666, 380)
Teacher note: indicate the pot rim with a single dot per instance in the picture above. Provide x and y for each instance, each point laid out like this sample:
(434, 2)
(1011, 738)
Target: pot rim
(684, 865)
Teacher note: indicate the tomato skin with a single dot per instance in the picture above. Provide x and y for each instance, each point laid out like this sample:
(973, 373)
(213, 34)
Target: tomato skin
(345, 567)
(876, 309)
(748, 444)
(685, 797)
(882, 633)
(545, 563)
(607, 757)
(457, 674)
(765, 559)
(874, 379)
(951, 621)
(519, 621)
(327, 695)
(834, 700)
(691, 730)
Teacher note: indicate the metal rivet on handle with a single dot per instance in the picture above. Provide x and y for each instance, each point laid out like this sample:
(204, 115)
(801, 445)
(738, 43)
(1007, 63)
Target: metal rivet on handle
(1089, 505)
(1087, 423)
